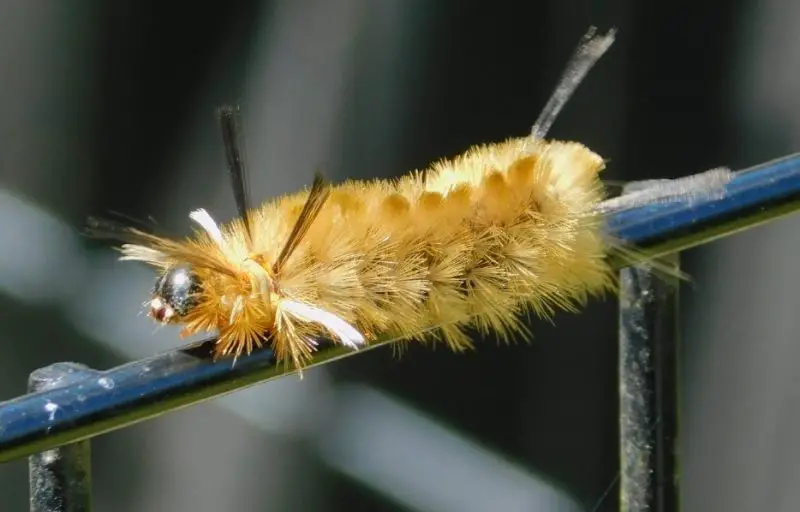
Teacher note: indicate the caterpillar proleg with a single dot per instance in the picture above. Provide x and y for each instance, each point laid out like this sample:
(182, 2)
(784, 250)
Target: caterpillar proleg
(473, 241)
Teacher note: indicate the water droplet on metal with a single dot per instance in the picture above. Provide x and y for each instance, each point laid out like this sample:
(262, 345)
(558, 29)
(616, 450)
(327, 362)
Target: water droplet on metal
(106, 382)
(51, 408)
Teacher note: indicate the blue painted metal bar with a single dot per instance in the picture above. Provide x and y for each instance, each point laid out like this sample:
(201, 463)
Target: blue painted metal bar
(143, 389)
(752, 197)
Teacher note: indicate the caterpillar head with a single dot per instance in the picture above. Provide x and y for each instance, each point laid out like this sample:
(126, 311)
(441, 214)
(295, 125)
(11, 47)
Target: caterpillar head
(175, 294)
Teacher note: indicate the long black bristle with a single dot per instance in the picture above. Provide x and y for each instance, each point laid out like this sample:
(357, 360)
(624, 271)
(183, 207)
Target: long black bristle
(108, 229)
(231, 139)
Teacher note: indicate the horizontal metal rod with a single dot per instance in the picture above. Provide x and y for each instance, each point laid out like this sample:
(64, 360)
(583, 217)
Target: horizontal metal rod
(147, 388)
(754, 196)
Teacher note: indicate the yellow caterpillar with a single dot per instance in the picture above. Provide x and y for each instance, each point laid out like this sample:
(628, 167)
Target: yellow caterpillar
(474, 241)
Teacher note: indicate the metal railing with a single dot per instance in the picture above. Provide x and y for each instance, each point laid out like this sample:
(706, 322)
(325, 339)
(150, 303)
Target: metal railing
(69, 404)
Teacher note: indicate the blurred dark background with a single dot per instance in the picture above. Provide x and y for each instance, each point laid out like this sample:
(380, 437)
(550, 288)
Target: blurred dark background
(109, 106)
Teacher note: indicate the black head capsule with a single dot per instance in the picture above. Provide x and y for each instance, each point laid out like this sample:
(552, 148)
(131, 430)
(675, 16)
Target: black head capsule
(175, 294)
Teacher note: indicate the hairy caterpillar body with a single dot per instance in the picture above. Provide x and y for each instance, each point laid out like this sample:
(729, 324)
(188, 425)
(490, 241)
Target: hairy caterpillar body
(474, 241)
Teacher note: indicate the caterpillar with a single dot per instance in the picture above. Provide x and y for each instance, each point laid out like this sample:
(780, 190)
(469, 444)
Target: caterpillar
(474, 241)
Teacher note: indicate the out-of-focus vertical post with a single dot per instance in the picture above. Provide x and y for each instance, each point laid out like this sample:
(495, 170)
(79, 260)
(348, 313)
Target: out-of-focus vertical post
(61, 478)
(648, 380)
